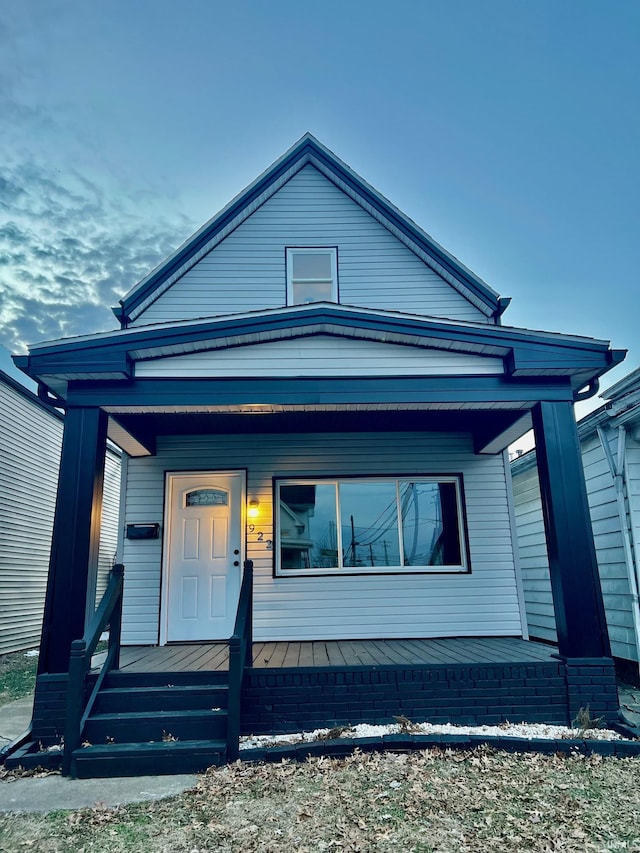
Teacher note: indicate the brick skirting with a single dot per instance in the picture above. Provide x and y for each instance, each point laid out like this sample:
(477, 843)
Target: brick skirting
(302, 699)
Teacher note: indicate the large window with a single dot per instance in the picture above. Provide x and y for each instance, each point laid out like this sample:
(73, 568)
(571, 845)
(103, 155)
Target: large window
(312, 275)
(370, 525)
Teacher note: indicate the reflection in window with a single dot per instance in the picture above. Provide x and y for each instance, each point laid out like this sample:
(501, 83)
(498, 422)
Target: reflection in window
(430, 524)
(369, 525)
(308, 536)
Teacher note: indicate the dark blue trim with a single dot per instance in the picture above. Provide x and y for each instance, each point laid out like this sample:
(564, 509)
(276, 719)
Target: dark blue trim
(76, 535)
(308, 146)
(530, 348)
(326, 390)
(575, 582)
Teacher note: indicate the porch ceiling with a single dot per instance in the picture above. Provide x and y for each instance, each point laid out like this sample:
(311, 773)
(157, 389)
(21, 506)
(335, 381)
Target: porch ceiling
(493, 429)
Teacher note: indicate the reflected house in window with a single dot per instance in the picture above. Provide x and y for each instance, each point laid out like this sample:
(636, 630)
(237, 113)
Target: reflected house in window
(296, 508)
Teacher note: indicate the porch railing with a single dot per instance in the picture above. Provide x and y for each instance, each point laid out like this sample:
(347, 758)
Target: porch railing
(109, 612)
(240, 657)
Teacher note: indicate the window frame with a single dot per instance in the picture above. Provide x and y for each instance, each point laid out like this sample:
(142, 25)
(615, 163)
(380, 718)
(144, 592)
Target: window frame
(332, 251)
(342, 571)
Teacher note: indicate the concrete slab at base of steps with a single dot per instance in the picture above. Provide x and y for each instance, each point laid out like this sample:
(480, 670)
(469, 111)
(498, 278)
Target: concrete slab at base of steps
(55, 792)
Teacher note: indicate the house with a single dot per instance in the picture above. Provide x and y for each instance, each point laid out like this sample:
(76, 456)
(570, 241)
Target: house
(610, 449)
(30, 444)
(315, 401)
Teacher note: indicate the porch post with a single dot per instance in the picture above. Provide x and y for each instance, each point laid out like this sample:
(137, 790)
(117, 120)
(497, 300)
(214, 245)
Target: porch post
(581, 625)
(76, 535)
(577, 598)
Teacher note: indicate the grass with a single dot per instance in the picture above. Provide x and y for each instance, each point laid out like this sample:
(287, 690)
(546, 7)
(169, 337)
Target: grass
(17, 676)
(426, 802)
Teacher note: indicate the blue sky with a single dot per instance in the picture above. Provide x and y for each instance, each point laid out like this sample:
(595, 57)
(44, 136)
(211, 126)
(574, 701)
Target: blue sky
(510, 131)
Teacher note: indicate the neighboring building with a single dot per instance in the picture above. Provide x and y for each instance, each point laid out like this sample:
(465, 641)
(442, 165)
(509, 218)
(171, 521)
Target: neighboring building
(30, 443)
(312, 386)
(610, 446)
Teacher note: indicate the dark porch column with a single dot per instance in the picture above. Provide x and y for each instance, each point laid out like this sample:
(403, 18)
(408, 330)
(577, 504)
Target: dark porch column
(575, 582)
(76, 535)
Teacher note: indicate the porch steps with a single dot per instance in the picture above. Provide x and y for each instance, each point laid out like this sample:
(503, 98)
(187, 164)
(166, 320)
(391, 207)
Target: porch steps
(155, 723)
(148, 759)
(193, 696)
(156, 726)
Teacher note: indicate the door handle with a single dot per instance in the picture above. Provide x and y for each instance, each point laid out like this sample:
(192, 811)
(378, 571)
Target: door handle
(236, 551)
(236, 562)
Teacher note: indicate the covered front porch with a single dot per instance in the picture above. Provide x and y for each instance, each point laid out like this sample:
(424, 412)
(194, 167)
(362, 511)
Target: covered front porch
(303, 445)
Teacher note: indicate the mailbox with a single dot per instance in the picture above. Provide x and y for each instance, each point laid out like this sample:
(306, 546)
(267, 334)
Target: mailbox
(143, 531)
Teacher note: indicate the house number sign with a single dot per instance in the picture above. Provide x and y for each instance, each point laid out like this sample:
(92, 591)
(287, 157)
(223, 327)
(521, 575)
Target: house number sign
(268, 543)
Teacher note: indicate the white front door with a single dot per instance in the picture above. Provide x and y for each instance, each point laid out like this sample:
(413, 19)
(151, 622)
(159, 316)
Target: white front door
(204, 560)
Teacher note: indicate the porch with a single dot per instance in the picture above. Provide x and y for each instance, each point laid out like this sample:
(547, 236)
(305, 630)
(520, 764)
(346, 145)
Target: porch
(341, 654)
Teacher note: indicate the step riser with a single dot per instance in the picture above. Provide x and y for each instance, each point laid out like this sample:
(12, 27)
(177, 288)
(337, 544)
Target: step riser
(131, 680)
(126, 730)
(169, 699)
(149, 765)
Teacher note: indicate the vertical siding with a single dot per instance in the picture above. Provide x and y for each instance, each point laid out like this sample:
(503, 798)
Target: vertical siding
(30, 444)
(246, 271)
(484, 602)
(607, 536)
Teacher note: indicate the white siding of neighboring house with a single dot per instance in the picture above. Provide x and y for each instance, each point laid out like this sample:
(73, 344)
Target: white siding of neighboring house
(30, 443)
(322, 355)
(109, 528)
(246, 271)
(609, 549)
(484, 602)
(532, 548)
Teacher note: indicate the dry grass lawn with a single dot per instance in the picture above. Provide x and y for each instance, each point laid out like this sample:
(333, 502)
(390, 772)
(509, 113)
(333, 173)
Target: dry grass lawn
(425, 802)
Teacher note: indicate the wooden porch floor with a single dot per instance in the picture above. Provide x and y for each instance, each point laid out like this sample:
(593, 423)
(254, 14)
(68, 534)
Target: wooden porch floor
(336, 653)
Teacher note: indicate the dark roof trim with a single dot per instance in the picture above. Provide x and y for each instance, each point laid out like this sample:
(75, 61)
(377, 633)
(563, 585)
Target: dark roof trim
(119, 343)
(317, 391)
(307, 147)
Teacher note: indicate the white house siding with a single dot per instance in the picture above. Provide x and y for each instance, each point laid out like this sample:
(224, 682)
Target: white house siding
(532, 548)
(246, 271)
(110, 527)
(484, 602)
(30, 444)
(322, 355)
(609, 549)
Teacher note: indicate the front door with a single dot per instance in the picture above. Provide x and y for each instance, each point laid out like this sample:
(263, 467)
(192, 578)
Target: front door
(204, 562)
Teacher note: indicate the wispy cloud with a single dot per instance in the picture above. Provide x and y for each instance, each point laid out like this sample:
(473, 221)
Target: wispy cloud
(70, 249)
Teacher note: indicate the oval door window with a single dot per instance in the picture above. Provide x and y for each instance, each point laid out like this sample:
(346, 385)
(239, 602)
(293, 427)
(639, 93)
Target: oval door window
(207, 497)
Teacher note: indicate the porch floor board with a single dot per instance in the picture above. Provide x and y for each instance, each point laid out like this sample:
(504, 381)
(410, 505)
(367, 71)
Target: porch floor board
(202, 657)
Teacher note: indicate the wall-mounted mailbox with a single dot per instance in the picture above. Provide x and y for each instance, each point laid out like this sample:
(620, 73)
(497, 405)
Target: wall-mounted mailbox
(143, 531)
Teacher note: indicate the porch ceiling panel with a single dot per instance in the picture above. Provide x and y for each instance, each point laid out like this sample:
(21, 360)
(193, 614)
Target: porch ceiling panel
(486, 426)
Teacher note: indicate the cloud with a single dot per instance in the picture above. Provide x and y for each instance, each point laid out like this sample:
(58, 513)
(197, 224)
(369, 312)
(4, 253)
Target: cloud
(70, 248)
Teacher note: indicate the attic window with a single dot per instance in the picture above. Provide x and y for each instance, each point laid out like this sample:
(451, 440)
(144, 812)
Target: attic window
(312, 275)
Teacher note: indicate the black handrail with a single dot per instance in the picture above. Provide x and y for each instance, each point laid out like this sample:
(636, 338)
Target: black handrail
(109, 612)
(240, 657)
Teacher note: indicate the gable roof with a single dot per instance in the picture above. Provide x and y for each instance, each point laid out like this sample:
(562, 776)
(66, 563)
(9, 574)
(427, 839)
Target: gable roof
(308, 150)
(111, 355)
